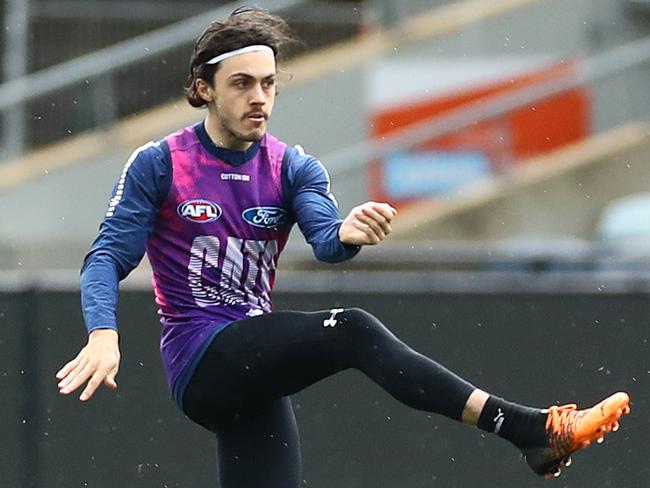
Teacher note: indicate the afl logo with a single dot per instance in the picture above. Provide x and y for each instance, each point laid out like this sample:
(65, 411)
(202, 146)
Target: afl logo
(266, 217)
(199, 211)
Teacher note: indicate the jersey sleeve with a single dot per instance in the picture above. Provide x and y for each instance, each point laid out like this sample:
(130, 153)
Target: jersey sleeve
(123, 233)
(307, 186)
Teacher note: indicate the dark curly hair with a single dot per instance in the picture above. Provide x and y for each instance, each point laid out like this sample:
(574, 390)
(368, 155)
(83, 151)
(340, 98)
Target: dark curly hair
(246, 26)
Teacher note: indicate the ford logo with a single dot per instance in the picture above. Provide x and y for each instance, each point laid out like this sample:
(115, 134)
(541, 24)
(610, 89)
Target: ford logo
(266, 217)
(200, 211)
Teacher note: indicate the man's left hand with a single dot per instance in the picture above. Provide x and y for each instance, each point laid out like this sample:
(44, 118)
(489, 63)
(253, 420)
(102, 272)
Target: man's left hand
(367, 224)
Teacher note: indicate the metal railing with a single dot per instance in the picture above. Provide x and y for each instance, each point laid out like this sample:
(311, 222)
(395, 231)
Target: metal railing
(90, 83)
(118, 56)
(595, 68)
(105, 61)
(97, 67)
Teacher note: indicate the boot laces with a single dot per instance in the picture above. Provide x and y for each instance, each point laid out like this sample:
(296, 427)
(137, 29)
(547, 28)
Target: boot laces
(560, 427)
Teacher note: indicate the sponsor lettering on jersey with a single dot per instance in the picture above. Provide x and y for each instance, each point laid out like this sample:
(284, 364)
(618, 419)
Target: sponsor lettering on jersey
(266, 217)
(199, 210)
(235, 177)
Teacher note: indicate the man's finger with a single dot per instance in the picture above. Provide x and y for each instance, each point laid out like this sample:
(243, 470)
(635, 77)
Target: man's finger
(63, 372)
(373, 224)
(110, 379)
(93, 384)
(77, 380)
(370, 235)
(379, 218)
(386, 210)
(81, 364)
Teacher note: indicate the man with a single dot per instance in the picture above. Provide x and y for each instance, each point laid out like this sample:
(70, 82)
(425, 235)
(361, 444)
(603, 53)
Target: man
(212, 205)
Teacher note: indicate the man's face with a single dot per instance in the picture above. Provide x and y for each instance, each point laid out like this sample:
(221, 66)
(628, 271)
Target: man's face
(244, 93)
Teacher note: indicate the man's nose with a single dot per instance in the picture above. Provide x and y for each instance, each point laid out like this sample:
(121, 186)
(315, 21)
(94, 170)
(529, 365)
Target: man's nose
(258, 96)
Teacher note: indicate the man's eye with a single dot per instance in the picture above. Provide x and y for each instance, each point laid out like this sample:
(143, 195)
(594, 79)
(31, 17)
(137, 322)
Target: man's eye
(241, 83)
(269, 83)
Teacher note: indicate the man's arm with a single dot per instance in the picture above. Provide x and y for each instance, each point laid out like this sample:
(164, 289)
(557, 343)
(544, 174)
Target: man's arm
(118, 249)
(307, 186)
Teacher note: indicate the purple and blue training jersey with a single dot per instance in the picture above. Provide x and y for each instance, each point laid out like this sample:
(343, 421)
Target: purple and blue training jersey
(213, 223)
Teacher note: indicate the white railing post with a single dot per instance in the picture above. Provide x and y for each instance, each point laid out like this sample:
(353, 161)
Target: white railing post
(15, 66)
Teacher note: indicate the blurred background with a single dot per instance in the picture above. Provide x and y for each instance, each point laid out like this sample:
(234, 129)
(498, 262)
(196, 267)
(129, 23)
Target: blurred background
(513, 136)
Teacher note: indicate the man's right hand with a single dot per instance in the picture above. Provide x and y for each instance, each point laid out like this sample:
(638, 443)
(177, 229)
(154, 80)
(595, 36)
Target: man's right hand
(98, 362)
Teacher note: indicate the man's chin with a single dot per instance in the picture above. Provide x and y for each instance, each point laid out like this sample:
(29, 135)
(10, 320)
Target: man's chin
(253, 136)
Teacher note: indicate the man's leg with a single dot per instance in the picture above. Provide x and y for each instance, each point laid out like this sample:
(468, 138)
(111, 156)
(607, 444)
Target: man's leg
(259, 447)
(474, 407)
(281, 353)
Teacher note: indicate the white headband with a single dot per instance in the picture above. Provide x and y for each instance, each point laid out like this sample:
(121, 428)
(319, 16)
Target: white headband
(243, 50)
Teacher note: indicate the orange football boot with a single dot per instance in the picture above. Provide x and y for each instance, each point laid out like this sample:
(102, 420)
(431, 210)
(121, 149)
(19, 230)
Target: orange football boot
(569, 429)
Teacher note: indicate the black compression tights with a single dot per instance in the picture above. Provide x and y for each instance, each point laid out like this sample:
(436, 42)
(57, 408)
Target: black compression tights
(240, 388)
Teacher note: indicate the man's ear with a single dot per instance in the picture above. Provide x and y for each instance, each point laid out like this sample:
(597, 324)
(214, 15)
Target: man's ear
(204, 89)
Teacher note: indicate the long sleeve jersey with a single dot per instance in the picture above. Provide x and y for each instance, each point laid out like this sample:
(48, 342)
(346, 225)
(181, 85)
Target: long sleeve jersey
(213, 223)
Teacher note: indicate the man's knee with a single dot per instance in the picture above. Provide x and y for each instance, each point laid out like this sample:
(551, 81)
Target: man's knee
(361, 321)
(355, 323)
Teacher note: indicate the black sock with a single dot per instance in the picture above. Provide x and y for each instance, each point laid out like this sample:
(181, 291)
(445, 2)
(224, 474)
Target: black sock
(523, 426)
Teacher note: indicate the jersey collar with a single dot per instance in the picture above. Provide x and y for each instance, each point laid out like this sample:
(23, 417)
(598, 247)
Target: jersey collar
(230, 156)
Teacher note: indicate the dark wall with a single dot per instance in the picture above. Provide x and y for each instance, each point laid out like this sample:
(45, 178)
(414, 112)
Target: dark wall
(537, 349)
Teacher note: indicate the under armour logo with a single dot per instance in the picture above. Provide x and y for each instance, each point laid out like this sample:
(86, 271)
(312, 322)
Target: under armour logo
(498, 420)
(331, 322)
